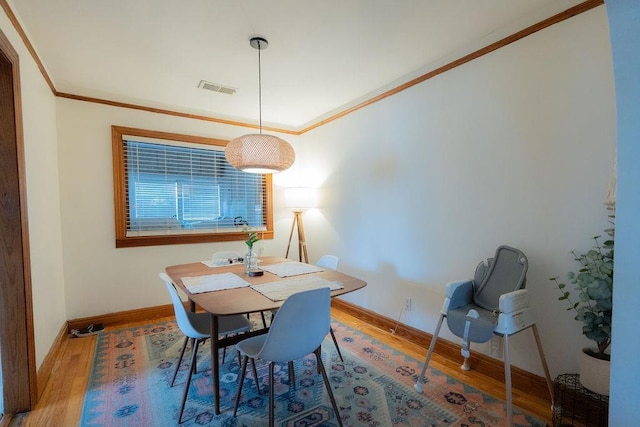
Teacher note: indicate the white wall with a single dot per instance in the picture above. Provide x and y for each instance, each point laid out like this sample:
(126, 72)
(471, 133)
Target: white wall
(514, 148)
(98, 277)
(624, 21)
(43, 197)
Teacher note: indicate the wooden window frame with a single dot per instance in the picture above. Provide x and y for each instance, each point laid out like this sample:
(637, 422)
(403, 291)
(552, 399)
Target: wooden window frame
(120, 194)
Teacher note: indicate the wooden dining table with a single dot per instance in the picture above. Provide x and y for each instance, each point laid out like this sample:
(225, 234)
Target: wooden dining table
(243, 300)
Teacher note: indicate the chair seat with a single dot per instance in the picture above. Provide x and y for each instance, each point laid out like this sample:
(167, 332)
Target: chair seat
(200, 324)
(481, 328)
(251, 346)
(227, 325)
(235, 324)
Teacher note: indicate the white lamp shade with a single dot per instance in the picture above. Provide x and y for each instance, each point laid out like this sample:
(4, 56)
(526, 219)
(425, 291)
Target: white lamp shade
(300, 198)
(259, 153)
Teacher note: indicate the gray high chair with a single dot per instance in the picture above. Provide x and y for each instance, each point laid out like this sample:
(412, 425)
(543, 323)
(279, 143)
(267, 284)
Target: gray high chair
(494, 302)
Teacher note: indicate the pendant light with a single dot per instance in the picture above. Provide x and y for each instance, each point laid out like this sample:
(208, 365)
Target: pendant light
(259, 153)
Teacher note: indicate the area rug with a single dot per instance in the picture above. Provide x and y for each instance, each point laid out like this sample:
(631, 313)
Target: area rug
(131, 375)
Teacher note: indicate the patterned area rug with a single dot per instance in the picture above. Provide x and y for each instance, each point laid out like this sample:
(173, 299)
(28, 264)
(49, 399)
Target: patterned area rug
(131, 373)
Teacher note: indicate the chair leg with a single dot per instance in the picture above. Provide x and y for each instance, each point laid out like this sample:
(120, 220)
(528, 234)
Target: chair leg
(264, 321)
(465, 363)
(192, 366)
(507, 380)
(292, 374)
(271, 396)
(195, 370)
(224, 352)
(175, 372)
(432, 346)
(335, 341)
(318, 353)
(242, 374)
(194, 348)
(543, 360)
(255, 374)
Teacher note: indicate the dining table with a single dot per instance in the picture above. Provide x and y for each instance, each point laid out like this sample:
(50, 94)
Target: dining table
(249, 293)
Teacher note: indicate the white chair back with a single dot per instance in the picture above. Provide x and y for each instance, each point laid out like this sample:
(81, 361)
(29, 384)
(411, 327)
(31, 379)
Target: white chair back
(183, 318)
(299, 326)
(225, 255)
(328, 261)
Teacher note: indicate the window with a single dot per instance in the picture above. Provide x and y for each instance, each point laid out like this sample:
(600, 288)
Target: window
(172, 189)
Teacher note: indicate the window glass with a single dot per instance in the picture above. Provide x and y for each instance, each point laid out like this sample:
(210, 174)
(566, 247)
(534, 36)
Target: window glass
(175, 187)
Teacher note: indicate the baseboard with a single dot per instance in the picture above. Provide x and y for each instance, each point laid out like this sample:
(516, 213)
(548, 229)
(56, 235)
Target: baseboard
(111, 319)
(5, 420)
(54, 354)
(522, 380)
(525, 381)
(122, 317)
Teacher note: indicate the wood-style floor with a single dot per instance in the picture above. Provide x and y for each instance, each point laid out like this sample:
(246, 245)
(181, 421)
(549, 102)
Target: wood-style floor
(62, 398)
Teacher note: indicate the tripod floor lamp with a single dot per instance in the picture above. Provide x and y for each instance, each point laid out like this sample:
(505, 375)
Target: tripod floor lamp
(298, 199)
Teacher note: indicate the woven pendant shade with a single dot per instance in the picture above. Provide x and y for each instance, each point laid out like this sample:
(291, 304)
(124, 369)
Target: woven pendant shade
(259, 153)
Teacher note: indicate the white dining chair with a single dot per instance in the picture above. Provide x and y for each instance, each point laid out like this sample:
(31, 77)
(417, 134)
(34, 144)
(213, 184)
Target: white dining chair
(197, 327)
(298, 329)
(331, 262)
(328, 261)
(225, 255)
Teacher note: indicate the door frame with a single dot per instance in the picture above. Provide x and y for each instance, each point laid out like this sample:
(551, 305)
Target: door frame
(17, 346)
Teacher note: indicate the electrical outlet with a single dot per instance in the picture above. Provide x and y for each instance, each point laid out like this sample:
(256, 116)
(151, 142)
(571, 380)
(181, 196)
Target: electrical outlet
(407, 303)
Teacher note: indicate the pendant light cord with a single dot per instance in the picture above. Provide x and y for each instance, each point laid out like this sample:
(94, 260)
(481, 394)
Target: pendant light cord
(260, 86)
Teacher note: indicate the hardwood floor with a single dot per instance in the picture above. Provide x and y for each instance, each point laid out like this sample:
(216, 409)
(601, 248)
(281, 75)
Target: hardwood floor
(63, 395)
(539, 406)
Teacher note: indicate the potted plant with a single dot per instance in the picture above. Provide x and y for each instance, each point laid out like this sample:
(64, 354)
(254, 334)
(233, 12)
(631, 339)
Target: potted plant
(594, 306)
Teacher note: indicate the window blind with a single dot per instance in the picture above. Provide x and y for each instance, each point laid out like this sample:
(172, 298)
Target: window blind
(174, 189)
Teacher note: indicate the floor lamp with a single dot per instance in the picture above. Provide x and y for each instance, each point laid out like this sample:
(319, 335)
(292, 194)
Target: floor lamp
(298, 199)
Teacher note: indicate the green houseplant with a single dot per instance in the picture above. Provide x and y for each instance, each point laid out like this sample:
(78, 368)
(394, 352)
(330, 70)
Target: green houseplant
(594, 308)
(594, 283)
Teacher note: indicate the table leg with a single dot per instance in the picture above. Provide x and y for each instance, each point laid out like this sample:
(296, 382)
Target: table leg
(215, 367)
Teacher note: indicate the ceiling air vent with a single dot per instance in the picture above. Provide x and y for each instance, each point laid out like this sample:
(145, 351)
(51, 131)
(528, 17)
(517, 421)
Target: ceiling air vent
(215, 87)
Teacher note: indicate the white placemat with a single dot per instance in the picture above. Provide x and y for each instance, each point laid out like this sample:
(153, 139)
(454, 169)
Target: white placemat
(213, 282)
(282, 289)
(287, 269)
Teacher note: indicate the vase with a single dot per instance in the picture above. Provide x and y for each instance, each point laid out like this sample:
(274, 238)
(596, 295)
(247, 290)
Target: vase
(250, 261)
(594, 373)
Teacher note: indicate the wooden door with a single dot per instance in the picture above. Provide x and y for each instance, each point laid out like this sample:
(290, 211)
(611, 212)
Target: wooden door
(16, 325)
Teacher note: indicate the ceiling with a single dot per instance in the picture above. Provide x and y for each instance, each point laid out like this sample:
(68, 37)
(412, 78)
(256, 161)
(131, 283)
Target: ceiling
(323, 56)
